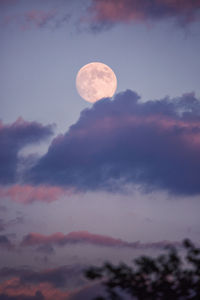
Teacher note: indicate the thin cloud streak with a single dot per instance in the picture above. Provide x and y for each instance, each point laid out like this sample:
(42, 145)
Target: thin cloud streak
(85, 237)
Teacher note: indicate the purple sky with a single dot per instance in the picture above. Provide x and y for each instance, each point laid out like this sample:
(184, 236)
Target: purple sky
(83, 183)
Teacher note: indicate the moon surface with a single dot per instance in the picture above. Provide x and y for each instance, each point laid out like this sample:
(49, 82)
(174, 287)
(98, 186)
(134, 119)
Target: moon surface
(95, 81)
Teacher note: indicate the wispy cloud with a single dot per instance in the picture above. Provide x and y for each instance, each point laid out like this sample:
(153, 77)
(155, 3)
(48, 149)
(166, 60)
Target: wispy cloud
(4, 224)
(37, 18)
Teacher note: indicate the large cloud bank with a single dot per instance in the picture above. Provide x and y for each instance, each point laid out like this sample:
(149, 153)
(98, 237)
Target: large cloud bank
(155, 144)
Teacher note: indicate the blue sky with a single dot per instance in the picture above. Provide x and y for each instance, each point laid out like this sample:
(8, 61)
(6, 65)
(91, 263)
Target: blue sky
(40, 64)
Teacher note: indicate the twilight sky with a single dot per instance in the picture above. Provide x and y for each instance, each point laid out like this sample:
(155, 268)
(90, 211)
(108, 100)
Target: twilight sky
(82, 183)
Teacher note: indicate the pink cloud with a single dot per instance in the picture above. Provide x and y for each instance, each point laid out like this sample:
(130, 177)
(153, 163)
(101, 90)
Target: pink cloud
(85, 237)
(141, 10)
(59, 238)
(27, 193)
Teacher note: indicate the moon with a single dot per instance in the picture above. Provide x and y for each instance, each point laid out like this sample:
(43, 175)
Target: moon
(95, 81)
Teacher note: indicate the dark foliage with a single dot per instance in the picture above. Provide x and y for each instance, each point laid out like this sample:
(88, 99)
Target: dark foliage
(166, 277)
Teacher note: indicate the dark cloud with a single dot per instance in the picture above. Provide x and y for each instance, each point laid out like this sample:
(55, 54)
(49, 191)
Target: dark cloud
(38, 296)
(5, 243)
(67, 282)
(85, 237)
(60, 277)
(13, 138)
(155, 144)
(13, 289)
(46, 248)
(7, 272)
(104, 13)
(89, 292)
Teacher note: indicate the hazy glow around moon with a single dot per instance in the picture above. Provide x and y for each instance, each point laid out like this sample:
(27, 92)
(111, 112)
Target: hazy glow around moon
(95, 81)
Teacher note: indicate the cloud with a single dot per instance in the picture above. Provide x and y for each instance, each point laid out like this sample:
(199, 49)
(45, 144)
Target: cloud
(38, 296)
(46, 249)
(103, 13)
(37, 18)
(5, 243)
(155, 144)
(91, 291)
(27, 194)
(13, 289)
(13, 137)
(13, 222)
(60, 239)
(50, 284)
(60, 277)
(85, 237)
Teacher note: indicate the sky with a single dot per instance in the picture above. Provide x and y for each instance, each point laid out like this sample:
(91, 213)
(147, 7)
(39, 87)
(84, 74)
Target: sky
(82, 183)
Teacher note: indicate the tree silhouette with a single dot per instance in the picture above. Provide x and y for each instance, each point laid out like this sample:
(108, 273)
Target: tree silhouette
(167, 277)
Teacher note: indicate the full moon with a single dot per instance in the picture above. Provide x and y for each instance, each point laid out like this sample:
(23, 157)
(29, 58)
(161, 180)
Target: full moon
(95, 81)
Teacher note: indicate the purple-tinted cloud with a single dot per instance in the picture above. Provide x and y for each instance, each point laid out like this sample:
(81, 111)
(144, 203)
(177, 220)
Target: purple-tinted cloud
(58, 277)
(123, 141)
(50, 284)
(13, 289)
(13, 138)
(103, 13)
